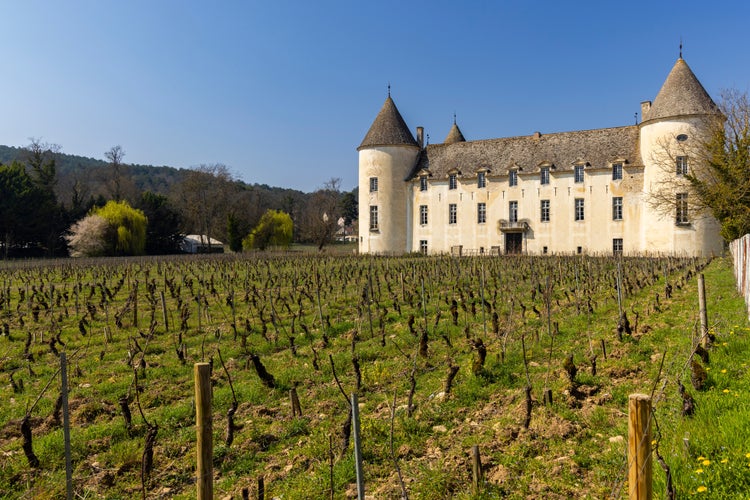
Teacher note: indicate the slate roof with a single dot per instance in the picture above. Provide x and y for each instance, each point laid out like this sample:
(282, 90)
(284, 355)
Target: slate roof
(595, 148)
(454, 135)
(388, 129)
(682, 94)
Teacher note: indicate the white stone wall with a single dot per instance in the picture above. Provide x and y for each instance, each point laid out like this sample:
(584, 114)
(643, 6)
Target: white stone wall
(562, 234)
(391, 165)
(659, 232)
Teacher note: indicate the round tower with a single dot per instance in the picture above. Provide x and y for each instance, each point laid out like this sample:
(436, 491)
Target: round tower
(671, 132)
(387, 155)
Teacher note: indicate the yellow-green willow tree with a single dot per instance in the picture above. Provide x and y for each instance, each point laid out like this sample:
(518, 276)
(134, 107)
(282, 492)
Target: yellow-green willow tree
(274, 229)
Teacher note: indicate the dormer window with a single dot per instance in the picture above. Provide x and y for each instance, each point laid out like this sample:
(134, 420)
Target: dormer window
(423, 183)
(616, 171)
(481, 179)
(513, 178)
(544, 175)
(578, 173)
(452, 181)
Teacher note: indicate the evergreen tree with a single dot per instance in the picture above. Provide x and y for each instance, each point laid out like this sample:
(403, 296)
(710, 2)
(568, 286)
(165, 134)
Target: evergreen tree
(22, 209)
(163, 230)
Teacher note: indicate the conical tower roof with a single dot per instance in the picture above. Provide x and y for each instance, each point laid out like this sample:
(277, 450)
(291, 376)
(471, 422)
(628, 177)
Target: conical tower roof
(388, 129)
(682, 94)
(454, 135)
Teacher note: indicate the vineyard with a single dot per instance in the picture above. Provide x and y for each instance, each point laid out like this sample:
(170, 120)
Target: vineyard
(531, 359)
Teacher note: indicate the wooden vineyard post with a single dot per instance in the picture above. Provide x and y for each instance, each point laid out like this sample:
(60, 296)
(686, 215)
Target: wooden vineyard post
(294, 399)
(702, 309)
(204, 431)
(357, 448)
(135, 305)
(66, 425)
(164, 311)
(639, 447)
(476, 469)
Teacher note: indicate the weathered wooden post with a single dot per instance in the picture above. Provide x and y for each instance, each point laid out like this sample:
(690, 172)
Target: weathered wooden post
(357, 448)
(204, 431)
(135, 305)
(702, 310)
(476, 468)
(639, 447)
(261, 489)
(294, 399)
(66, 425)
(164, 311)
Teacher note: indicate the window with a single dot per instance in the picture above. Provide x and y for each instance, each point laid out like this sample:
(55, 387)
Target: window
(423, 246)
(513, 211)
(544, 250)
(544, 175)
(452, 213)
(682, 165)
(617, 208)
(617, 246)
(682, 209)
(616, 171)
(423, 214)
(578, 173)
(481, 180)
(452, 182)
(579, 209)
(423, 183)
(545, 211)
(579, 250)
(513, 178)
(481, 213)
(373, 184)
(373, 217)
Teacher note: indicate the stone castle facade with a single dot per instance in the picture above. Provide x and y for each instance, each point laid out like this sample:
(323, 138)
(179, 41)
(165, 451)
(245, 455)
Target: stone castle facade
(589, 191)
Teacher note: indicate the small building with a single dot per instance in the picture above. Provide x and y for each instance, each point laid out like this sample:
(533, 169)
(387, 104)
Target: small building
(200, 243)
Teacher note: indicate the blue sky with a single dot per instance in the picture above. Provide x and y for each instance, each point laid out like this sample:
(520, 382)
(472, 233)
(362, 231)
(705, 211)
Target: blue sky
(283, 92)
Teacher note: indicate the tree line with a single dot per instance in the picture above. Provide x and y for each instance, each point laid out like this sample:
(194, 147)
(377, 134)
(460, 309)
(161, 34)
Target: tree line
(50, 200)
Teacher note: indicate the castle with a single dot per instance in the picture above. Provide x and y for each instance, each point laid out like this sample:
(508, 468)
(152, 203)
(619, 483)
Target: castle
(590, 191)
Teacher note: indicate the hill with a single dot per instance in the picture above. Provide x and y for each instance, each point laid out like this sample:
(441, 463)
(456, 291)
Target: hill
(157, 179)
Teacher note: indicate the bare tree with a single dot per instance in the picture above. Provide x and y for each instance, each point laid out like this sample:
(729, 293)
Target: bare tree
(673, 159)
(321, 216)
(115, 156)
(204, 197)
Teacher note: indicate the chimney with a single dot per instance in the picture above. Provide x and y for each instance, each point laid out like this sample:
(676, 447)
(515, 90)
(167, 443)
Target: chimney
(420, 137)
(645, 108)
